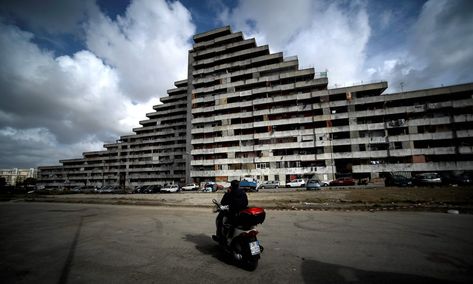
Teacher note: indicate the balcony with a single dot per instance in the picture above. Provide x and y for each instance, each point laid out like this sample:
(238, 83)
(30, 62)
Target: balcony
(463, 118)
(415, 167)
(256, 172)
(465, 133)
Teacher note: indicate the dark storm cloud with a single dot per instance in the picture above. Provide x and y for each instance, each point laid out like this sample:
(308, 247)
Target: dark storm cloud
(46, 16)
(442, 40)
(437, 52)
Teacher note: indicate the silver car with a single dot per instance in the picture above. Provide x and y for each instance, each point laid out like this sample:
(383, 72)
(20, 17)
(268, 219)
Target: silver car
(313, 184)
(427, 179)
(270, 184)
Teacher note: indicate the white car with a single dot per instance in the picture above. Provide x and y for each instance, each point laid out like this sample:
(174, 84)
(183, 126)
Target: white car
(170, 188)
(191, 186)
(296, 183)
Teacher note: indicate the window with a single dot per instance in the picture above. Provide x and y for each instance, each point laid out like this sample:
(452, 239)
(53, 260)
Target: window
(262, 165)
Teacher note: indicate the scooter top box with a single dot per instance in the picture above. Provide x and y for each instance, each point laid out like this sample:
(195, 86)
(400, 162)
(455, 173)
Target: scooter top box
(252, 216)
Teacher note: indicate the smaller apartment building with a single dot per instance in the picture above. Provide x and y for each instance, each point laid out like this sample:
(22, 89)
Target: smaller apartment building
(418, 131)
(153, 155)
(15, 175)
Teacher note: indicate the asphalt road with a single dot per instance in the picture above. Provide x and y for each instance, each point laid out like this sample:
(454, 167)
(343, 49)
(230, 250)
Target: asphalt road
(80, 243)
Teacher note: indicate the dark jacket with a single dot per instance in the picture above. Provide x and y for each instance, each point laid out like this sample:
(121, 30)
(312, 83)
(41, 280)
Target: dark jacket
(236, 199)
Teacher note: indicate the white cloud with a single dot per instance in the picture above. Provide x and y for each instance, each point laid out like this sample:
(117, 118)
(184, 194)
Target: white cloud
(322, 34)
(50, 107)
(67, 94)
(336, 36)
(59, 107)
(34, 135)
(336, 40)
(147, 46)
(136, 113)
(271, 22)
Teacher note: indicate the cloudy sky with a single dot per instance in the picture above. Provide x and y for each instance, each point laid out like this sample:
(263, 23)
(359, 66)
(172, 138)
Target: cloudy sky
(77, 74)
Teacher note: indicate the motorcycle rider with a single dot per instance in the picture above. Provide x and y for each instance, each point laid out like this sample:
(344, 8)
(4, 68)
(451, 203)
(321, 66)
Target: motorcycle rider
(233, 201)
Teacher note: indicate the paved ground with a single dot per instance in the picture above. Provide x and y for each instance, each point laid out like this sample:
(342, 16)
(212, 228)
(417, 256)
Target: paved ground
(86, 243)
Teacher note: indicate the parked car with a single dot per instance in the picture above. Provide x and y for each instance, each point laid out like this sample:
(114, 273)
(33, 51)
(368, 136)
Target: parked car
(171, 188)
(427, 179)
(140, 189)
(325, 182)
(40, 187)
(249, 184)
(462, 180)
(296, 183)
(88, 189)
(313, 184)
(270, 184)
(397, 180)
(191, 186)
(452, 179)
(363, 181)
(108, 189)
(343, 181)
(76, 189)
(155, 188)
(210, 187)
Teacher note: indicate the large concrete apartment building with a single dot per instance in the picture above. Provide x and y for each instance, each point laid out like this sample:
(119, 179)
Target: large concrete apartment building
(244, 111)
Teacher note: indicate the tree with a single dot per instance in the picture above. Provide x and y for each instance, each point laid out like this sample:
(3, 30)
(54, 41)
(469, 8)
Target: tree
(23, 184)
(30, 181)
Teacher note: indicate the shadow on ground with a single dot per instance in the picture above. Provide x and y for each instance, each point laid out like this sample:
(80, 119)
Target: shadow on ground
(319, 272)
(206, 245)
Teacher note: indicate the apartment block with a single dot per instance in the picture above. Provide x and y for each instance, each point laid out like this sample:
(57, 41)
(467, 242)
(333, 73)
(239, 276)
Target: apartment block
(15, 175)
(154, 154)
(244, 111)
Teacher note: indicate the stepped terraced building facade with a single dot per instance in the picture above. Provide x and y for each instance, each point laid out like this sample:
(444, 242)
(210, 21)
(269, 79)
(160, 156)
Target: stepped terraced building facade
(244, 111)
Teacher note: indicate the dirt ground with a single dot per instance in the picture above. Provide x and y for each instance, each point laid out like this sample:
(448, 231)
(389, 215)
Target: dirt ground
(373, 198)
(361, 198)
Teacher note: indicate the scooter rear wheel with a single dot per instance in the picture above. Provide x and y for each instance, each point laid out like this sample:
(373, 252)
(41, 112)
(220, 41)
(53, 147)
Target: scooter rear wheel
(248, 262)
